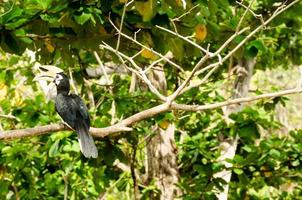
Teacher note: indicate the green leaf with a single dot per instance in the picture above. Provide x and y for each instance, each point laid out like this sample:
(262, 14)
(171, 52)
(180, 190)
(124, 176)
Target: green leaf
(23, 39)
(10, 43)
(83, 18)
(146, 9)
(249, 131)
(258, 44)
(44, 4)
(54, 149)
(238, 171)
(275, 153)
(212, 7)
(247, 148)
(176, 46)
(15, 12)
(49, 18)
(17, 23)
(204, 10)
(251, 52)
(253, 48)
(295, 163)
(238, 159)
(222, 3)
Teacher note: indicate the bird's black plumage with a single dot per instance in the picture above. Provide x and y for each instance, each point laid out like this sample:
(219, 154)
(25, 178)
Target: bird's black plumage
(75, 113)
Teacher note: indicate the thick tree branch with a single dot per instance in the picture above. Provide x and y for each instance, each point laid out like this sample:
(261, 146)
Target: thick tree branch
(123, 126)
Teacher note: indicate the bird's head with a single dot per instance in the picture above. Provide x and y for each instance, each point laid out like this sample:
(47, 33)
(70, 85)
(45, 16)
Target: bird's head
(62, 82)
(60, 79)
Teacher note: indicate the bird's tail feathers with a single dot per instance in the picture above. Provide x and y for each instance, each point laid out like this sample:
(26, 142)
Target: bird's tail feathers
(86, 142)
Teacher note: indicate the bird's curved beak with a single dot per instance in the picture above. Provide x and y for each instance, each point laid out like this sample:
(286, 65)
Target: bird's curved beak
(47, 73)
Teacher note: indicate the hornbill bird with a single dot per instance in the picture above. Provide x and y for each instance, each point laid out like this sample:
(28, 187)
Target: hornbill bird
(71, 108)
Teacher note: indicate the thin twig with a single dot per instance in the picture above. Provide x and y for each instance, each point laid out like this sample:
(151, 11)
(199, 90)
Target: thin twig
(244, 14)
(17, 196)
(139, 72)
(121, 26)
(216, 65)
(228, 41)
(184, 14)
(187, 80)
(257, 16)
(184, 38)
(234, 101)
(202, 61)
(90, 94)
(72, 82)
(8, 117)
(168, 55)
(144, 46)
(10, 9)
(137, 54)
(97, 57)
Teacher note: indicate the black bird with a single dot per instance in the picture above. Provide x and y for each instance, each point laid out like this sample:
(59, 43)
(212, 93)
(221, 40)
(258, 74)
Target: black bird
(74, 112)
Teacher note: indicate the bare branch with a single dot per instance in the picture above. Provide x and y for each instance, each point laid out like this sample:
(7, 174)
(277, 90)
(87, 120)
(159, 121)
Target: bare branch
(121, 26)
(139, 72)
(110, 68)
(184, 38)
(39, 130)
(215, 66)
(203, 59)
(258, 16)
(233, 101)
(168, 55)
(184, 14)
(97, 57)
(123, 126)
(8, 117)
(144, 46)
(9, 10)
(226, 43)
(244, 14)
(181, 87)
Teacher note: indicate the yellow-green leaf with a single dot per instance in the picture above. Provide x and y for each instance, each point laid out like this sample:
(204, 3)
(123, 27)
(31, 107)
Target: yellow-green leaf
(146, 9)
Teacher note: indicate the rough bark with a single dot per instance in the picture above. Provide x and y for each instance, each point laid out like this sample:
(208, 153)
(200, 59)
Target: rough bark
(161, 151)
(162, 165)
(228, 146)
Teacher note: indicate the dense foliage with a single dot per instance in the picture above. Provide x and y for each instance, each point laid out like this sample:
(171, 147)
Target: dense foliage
(66, 33)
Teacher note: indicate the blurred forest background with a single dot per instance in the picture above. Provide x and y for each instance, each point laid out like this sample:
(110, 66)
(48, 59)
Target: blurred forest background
(196, 99)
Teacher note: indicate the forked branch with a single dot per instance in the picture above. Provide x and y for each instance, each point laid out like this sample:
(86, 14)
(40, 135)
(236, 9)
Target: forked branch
(124, 125)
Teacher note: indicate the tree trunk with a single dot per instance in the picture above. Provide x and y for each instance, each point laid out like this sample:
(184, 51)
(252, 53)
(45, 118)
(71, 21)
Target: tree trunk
(162, 165)
(228, 146)
(161, 151)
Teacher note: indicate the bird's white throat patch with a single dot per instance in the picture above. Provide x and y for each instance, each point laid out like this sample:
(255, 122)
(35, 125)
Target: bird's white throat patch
(58, 79)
